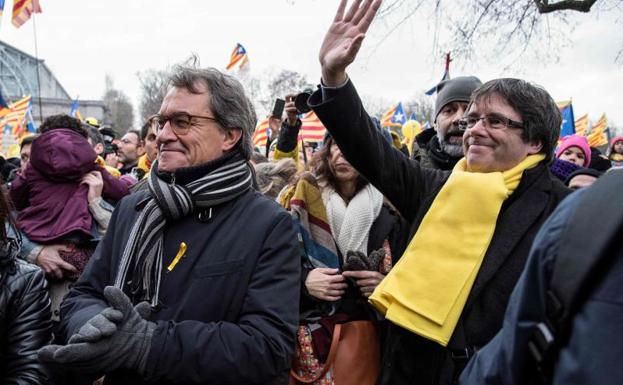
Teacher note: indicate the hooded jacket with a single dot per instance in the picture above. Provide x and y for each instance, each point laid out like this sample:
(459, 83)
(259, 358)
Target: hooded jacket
(49, 195)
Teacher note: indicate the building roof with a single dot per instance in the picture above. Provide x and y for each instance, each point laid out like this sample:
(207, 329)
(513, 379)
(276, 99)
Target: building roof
(18, 75)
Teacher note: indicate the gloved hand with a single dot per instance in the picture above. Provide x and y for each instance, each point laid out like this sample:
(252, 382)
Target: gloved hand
(118, 337)
(356, 260)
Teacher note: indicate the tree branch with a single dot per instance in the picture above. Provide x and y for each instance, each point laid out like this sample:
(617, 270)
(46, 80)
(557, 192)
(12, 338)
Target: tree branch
(544, 6)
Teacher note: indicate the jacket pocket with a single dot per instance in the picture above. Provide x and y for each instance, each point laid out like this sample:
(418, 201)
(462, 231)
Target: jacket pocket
(219, 268)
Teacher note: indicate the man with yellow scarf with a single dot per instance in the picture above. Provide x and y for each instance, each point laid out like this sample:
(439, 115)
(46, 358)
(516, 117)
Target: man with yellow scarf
(471, 227)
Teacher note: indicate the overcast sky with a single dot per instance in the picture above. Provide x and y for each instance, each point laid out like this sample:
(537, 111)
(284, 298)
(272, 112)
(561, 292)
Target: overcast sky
(81, 41)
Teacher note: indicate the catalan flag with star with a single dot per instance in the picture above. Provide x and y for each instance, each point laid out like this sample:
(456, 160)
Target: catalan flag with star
(568, 121)
(394, 117)
(238, 58)
(581, 125)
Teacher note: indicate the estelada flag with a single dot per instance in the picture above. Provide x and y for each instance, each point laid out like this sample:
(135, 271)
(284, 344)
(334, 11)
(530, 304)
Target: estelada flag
(395, 117)
(238, 55)
(23, 10)
(312, 129)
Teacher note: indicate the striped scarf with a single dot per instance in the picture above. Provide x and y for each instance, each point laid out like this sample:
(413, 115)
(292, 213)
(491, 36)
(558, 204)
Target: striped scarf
(171, 202)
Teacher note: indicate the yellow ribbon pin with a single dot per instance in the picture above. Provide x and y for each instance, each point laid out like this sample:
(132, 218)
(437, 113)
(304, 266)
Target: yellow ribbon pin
(180, 253)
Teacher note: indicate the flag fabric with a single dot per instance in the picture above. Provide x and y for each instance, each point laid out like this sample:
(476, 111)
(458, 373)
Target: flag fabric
(15, 118)
(568, 122)
(1, 10)
(312, 129)
(598, 137)
(413, 116)
(238, 56)
(581, 125)
(74, 110)
(260, 135)
(23, 10)
(394, 117)
(4, 107)
(446, 76)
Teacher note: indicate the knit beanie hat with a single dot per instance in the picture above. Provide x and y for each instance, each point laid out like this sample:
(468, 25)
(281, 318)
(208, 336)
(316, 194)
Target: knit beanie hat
(577, 141)
(614, 140)
(458, 89)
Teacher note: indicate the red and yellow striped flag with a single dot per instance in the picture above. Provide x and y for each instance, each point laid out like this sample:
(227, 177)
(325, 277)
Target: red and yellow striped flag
(312, 129)
(581, 125)
(260, 135)
(597, 137)
(23, 10)
(16, 116)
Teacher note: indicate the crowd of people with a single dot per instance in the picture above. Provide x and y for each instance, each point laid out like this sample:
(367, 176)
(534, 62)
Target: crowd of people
(180, 254)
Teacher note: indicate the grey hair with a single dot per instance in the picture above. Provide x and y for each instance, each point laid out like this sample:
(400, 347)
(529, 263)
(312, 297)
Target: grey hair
(541, 117)
(272, 177)
(227, 100)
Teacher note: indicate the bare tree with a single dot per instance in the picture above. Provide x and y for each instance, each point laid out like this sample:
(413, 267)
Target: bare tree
(497, 29)
(118, 110)
(153, 89)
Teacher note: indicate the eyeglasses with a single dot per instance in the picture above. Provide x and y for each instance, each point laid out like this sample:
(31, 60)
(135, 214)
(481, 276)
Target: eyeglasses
(180, 122)
(493, 121)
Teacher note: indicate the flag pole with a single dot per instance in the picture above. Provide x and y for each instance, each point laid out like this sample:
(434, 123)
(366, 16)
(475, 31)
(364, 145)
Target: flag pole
(34, 28)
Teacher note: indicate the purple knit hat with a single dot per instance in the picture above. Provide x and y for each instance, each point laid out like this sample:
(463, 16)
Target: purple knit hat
(577, 141)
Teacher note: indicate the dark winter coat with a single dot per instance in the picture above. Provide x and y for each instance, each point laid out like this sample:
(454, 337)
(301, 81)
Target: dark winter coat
(409, 358)
(51, 201)
(427, 151)
(25, 324)
(229, 309)
(591, 354)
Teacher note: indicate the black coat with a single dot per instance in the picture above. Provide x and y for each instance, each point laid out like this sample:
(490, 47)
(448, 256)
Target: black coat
(25, 324)
(229, 308)
(409, 358)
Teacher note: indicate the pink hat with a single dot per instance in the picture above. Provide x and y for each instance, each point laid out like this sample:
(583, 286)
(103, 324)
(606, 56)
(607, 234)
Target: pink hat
(616, 139)
(575, 141)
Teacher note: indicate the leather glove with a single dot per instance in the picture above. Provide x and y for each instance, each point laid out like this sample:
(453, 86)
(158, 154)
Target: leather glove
(118, 337)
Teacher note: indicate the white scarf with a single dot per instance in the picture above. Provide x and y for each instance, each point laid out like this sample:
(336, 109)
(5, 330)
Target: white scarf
(350, 225)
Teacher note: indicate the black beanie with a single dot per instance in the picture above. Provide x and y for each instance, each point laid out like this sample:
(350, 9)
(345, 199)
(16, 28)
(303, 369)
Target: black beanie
(455, 90)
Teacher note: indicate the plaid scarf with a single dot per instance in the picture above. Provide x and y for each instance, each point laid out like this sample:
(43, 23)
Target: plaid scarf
(171, 202)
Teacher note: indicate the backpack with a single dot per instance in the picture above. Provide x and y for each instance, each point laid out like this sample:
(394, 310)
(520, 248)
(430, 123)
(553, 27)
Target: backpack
(574, 278)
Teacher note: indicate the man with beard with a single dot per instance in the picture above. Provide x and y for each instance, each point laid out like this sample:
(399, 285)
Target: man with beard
(442, 147)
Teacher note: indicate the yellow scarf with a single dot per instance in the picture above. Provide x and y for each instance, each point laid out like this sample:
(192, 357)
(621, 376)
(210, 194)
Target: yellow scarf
(111, 170)
(427, 289)
(616, 157)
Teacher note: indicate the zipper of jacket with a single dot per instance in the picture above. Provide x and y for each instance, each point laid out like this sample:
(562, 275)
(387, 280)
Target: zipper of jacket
(173, 179)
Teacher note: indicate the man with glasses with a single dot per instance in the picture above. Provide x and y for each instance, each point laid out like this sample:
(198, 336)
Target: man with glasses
(471, 227)
(198, 278)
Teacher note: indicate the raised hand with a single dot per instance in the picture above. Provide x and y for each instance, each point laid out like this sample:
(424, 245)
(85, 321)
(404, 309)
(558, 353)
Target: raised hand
(344, 38)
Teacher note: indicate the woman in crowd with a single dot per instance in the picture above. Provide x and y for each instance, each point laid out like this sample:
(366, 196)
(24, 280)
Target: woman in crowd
(615, 152)
(350, 239)
(25, 324)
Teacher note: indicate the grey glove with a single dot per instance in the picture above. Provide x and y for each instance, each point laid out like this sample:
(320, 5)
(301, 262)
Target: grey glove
(118, 337)
(356, 260)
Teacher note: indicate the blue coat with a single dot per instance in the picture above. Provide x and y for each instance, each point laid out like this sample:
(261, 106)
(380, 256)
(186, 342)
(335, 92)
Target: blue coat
(594, 350)
(229, 308)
